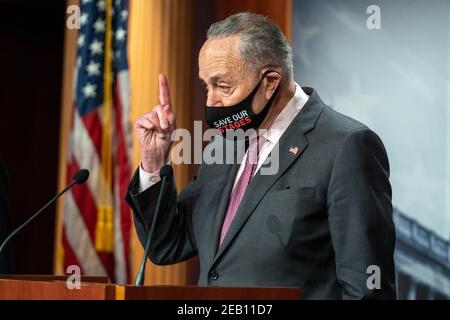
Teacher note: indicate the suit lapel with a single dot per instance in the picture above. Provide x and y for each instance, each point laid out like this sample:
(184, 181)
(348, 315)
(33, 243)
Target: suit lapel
(290, 147)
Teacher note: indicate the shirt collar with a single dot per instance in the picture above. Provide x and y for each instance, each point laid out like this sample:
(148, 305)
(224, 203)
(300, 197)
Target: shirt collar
(285, 117)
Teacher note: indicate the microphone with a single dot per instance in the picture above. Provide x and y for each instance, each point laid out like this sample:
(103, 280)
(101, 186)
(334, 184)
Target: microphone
(79, 178)
(166, 174)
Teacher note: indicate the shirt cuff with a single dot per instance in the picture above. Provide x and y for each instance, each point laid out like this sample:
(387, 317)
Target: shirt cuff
(146, 179)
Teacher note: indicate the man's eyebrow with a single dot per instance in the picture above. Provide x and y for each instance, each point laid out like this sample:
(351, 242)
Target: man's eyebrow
(215, 78)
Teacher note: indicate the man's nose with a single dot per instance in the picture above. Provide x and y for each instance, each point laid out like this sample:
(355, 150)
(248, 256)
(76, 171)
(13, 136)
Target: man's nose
(213, 100)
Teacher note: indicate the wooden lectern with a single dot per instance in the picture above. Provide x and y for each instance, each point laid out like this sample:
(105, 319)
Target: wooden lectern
(31, 287)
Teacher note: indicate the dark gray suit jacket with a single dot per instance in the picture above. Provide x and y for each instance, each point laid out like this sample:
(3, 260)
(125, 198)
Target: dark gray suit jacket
(318, 224)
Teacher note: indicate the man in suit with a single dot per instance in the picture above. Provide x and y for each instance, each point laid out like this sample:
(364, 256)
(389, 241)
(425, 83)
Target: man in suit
(322, 221)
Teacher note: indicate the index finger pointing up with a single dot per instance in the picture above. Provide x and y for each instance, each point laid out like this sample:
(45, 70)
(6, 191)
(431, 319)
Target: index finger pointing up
(164, 94)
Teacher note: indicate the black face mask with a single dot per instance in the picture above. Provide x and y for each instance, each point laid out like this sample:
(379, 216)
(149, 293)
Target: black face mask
(239, 116)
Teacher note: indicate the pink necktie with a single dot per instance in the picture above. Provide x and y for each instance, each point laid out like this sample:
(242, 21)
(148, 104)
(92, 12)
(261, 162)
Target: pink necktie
(239, 190)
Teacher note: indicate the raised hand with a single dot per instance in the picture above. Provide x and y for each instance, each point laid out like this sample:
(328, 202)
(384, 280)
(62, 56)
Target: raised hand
(154, 130)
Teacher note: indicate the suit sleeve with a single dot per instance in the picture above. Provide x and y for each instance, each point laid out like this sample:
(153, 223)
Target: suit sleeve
(173, 240)
(360, 217)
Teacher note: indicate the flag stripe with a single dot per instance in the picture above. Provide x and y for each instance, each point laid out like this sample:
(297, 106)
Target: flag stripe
(124, 174)
(84, 201)
(88, 210)
(84, 150)
(80, 241)
(119, 243)
(123, 97)
(92, 125)
(81, 212)
(69, 256)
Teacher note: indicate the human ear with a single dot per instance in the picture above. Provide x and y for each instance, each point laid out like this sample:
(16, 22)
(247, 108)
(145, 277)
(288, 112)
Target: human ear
(272, 82)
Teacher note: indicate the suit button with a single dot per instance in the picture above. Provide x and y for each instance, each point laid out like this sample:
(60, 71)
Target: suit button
(213, 275)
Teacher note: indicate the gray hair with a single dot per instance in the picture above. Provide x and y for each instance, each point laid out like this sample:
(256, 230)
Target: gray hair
(262, 42)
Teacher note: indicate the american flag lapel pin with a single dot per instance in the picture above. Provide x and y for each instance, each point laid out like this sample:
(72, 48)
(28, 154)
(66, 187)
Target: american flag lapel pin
(294, 150)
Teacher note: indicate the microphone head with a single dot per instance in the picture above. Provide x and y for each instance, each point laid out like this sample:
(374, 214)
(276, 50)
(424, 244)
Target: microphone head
(166, 171)
(81, 176)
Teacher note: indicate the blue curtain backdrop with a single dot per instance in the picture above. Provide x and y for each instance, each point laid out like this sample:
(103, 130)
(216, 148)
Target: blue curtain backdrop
(395, 79)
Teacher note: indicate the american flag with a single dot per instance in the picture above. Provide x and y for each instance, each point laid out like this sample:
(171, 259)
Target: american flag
(97, 221)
